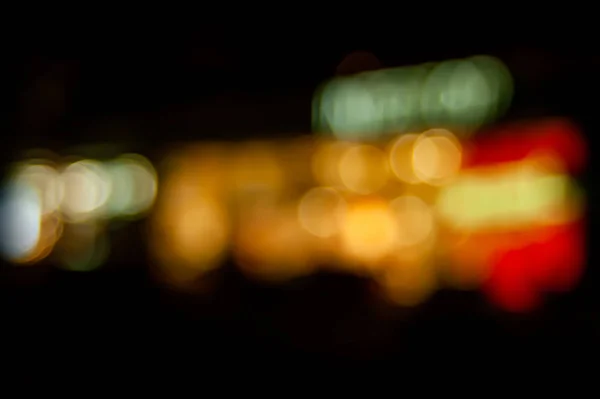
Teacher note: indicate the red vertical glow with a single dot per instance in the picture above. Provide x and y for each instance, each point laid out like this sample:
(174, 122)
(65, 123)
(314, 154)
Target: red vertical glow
(555, 260)
(509, 285)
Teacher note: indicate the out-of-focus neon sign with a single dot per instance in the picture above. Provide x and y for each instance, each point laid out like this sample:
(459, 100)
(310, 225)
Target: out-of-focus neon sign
(526, 260)
(521, 196)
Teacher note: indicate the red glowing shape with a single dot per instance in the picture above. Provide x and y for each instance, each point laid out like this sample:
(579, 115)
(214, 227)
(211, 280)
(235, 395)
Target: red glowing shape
(556, 264)
(509, 285)
(560, 137)
(520, 277)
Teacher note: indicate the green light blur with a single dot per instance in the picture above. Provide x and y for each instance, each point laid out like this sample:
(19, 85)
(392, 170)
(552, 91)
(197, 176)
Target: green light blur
(457, 94)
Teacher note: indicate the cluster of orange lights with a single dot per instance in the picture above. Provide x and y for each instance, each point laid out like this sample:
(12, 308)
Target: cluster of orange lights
(416, 213)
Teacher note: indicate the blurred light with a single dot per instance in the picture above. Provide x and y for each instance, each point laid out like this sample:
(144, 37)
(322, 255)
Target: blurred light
(87, 188)
(326, 163)
(191, 238)
(457, 93)
(552, 260)
(436, 157)
(499, 82)
(350, 109)
(206, 164)
(469, 256)
(190, 225)
(369, 230)
(415, 219)
(295, 156)
(194, 225)
(364, 169)
(29, 227)
(21, 221)
(46, 181)
(320, 211)
(271, 245)
(256, 172)
(401, 158)
(463, 94)
(517, 195)
(133, 183)
(508, 285)
(58, 211)
(448, 216)
(557, 260)
(557, 138)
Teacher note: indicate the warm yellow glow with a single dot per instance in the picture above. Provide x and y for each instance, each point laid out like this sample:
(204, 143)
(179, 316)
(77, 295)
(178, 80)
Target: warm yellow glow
(369, 230)
(46, 181)
(320, 211)
(87, 188)
(191, 227)
(436, 157)
(510, 196)
(271, 245)
(196, 238)
(401, 158)
(256, 172)
(364, 169)
(325, 163)
(197, 232)
(296, 161)
(208, 165)
(333, 205)
(415, 219)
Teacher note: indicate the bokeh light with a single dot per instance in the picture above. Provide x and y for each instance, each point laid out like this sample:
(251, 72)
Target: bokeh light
(370, 230)
(412, 211)
(271, 245)
(401, 158)
(87, 187)
(320, 211)
(45, 179)
(461, 94)
(134, 185)
(436, 157)
(416, 220)
(191, 230)
(363, 169)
